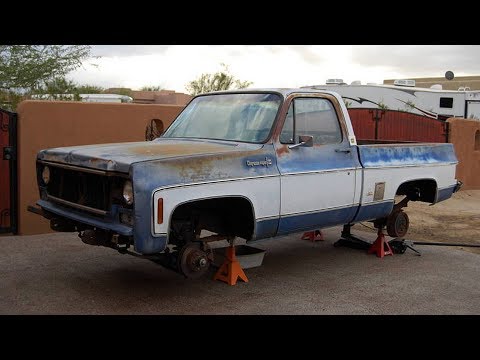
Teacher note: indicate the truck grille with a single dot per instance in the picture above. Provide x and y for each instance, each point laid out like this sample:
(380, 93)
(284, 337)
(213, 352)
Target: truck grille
(88, 190)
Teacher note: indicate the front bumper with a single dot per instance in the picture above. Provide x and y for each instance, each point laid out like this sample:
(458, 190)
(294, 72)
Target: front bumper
(103, 223)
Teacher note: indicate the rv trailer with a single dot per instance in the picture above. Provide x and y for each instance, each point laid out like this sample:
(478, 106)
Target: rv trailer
(433, 102)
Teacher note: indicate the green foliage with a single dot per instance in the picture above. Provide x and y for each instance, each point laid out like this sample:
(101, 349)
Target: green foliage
(27, 66)
(221, 80)
(119, 91)
(58, 89)
(25, 69)
(151, 88)
(10, 99)
(90, 89)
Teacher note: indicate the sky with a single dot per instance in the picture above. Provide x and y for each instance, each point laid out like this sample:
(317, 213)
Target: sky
(173, 66)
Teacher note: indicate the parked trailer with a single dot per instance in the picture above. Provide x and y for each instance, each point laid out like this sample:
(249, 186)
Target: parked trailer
(110, 98)
(432, 102)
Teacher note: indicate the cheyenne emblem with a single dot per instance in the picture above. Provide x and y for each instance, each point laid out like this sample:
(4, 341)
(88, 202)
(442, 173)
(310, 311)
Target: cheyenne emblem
(266, 162)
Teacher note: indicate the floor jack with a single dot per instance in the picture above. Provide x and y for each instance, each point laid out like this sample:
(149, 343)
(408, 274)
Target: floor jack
(380, 247)
(399, 246)
(395, 246)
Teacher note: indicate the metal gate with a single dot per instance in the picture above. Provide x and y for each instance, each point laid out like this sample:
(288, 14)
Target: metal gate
(8, 172)
(393, 125)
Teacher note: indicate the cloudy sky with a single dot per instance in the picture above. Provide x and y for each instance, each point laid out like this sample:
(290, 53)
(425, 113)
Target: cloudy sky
(173, 66)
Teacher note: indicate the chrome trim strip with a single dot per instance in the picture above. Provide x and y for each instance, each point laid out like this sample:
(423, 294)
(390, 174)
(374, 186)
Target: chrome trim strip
(78, 206)
(273, 217)
(321, 171)
(376, 202)
(408, 165)
(319, 211)
(167, 187)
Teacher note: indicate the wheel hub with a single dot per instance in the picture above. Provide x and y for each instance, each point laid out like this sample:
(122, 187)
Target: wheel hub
(194, 260)
(397, 224)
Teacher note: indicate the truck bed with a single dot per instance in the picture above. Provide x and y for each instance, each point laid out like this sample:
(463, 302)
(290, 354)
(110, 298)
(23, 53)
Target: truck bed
(406, 154)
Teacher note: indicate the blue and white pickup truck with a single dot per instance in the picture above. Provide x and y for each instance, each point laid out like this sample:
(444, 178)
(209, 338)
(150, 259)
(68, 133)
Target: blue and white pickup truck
(252, 164)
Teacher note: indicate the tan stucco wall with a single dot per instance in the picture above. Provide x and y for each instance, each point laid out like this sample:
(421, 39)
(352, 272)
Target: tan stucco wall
(462, 136)
(47, 124)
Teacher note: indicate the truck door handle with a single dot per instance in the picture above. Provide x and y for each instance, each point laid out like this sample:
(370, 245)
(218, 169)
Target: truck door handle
(346, 151)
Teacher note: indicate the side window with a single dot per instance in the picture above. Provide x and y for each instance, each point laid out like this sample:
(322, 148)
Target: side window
(286, 136)
(446, 102)
(311, 116)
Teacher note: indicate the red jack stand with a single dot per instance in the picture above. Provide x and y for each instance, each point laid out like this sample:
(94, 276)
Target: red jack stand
(313, 236)
(379, 245)
(230, 270)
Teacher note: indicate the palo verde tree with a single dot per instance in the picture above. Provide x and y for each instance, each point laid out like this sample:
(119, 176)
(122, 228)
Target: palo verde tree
(24, 68)
(221, 80)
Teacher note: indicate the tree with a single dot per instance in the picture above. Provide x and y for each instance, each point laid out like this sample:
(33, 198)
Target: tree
(119, 91)
(151, 88)
(90, 89)
(221, 80)
(26, 68)
(58, 89)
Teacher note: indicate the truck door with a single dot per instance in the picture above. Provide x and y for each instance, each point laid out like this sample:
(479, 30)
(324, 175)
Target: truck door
(317, 181)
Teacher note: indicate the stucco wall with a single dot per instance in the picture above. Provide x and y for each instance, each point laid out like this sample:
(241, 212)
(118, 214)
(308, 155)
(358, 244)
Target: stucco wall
(462, 134)
(47, 124)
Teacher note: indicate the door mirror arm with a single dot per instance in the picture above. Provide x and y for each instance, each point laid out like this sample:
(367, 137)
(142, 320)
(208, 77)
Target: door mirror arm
(303, 141)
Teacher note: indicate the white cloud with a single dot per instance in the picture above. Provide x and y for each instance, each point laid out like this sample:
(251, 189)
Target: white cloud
(271, 66)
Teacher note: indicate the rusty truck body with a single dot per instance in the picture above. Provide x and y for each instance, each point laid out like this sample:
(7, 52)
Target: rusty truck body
(253, 164)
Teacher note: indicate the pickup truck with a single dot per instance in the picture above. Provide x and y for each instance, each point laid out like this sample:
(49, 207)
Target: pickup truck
(252, 164)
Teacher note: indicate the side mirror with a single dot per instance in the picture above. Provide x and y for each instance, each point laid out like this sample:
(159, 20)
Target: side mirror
(303, 140)
(154, 129)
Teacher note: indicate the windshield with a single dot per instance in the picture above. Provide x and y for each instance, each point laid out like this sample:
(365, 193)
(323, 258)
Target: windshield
(238, 117)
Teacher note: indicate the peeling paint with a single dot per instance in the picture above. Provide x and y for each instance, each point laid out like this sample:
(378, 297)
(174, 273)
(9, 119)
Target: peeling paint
(403, 155)
(119, 157)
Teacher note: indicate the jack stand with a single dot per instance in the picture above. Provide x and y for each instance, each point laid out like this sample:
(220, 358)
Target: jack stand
(313, 236)
(380, 244)
(230, 270)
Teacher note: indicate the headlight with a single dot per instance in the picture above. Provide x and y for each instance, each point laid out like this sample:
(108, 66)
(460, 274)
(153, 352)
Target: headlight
(46, 175)
(128, 192)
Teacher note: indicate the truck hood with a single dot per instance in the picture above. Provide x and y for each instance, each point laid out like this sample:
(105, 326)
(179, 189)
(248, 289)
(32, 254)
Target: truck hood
(119, 157)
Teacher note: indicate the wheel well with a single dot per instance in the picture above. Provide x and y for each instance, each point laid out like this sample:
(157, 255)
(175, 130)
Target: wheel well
(419, 190)
(231, 216)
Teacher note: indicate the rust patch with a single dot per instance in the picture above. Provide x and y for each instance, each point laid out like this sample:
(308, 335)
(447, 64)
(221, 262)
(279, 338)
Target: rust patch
(176, 149)
(200, 168)
(283, 150)
(94, 161)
